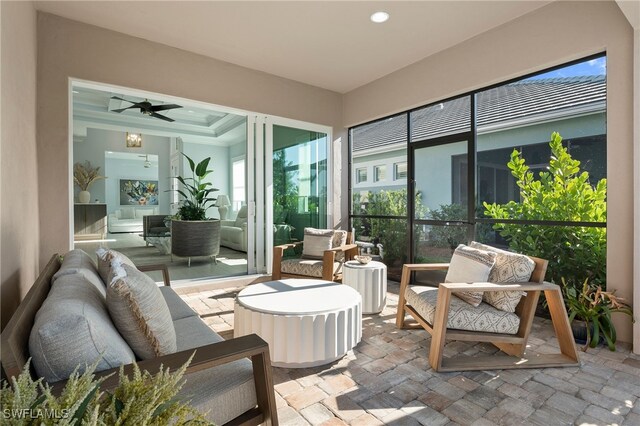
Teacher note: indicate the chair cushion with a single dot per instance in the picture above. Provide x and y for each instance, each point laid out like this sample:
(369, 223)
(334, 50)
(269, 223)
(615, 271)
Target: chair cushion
(462, 316)
(307, 267)
(105, 257)
(339, 239)
(139, 312)
(177, 307)
(509, 268)
(225, 391)
(73, 328)
(78, 262)
(316, 241)
(469, 265)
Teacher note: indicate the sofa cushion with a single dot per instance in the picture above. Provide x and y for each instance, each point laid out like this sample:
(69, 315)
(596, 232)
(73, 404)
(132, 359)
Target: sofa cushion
(139, 213)
(126, 213)
(225, 391)
(307, 267)
(509, 268)
(78, 262)
(140, 312)
(462, 316)
(316, 241)
(469, 265)
(105, 257)
(73, 328)
(177, 307)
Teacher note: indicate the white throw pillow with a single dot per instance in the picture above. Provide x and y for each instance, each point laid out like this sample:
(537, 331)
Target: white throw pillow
(509, 268)
(143, 212)
(469, 265)
(140, 312)
(127, 213)
(316, 241)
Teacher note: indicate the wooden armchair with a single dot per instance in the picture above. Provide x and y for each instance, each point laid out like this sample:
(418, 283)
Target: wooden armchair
(436, 319)
(328, 268)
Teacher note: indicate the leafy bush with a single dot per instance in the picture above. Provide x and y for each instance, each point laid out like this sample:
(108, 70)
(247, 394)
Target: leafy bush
(562, 193)
(143, 399)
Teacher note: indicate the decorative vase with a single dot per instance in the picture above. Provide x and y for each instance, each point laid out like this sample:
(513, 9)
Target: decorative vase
(84, 197)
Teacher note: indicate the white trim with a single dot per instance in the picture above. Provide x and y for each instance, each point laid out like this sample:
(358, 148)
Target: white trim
(260, 196)
(636, 192)
(268, 182)
(70, 82)
(251, 196)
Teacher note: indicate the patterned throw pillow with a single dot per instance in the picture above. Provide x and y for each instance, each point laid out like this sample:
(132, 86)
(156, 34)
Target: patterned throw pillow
(139, 312)
(105, 258)
(509, 268)
(470, 265)
(316, 241)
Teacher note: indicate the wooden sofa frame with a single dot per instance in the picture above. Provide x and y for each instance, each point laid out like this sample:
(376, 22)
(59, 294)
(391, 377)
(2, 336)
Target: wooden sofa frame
(513, 345)
(349, 250)
(15, 351)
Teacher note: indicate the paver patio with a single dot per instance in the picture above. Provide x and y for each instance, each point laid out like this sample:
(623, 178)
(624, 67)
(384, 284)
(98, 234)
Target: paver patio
(387, 380)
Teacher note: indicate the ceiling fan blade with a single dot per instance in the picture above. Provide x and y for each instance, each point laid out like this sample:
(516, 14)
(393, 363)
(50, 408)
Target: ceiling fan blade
(123, 109)
(121, 99)
(165, 107)
(162, 117)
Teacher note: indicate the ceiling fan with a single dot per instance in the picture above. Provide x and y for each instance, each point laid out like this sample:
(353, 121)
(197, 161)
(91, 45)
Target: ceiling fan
(147, 108)
(147, 163)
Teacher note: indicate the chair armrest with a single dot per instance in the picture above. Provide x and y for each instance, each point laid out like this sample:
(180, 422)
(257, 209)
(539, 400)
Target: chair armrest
(344, 248)
(163, 268)
(530, 286)
(289, 245)
(227, 223)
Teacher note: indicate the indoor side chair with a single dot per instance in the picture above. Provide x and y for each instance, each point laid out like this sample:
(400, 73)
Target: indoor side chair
(513, 345)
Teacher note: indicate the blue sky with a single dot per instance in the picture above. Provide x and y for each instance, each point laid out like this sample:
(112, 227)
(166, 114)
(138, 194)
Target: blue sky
(593, 67)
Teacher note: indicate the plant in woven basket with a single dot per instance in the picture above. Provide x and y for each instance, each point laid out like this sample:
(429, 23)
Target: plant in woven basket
(594, 307)
(196, 191)
(139, 399)
(84, 175)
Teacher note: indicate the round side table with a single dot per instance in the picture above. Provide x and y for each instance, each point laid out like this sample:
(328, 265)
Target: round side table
(370, 281)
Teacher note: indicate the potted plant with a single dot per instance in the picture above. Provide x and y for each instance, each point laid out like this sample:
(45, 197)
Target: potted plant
(192, 233)
(590, 308)
(84, 175)
(141, 398)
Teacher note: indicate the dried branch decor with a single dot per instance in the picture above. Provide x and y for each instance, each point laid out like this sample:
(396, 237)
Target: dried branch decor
(84, 175)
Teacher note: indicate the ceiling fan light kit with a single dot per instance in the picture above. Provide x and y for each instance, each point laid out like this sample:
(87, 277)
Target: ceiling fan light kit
(147, 108)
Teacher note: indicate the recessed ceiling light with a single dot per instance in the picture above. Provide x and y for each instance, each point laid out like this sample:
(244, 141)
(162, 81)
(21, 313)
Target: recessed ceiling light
(75, 91)
(191, 111)
(379, 17)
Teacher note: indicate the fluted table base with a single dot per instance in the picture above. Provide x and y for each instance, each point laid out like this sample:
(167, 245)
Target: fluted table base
(289, 315)
(370, 281)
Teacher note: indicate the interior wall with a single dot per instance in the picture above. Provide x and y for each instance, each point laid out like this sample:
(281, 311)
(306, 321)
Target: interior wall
(19, 203)
(552, 35)
(69, 49)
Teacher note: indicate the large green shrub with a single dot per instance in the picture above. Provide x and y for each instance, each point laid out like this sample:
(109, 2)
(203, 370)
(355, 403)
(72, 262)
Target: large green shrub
(562, 193)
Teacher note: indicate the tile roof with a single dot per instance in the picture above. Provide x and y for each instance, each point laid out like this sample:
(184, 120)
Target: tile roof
(524, 101)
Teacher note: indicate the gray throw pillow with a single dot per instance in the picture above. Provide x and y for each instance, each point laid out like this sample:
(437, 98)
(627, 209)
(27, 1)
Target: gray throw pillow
(73, 329)
(78, 262)
(139, 312)
(469, 265)
(316, 241)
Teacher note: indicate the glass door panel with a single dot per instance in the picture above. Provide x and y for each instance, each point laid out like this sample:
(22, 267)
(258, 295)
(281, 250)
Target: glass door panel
(300, 185)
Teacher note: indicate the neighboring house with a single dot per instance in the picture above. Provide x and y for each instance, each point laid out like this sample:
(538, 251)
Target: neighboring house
(520, 115)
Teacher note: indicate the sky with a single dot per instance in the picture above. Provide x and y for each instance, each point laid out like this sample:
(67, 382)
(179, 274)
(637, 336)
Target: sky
(593, 67)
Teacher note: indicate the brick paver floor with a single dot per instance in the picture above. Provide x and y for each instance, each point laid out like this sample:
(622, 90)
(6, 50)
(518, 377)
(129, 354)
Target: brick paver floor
(387, 380)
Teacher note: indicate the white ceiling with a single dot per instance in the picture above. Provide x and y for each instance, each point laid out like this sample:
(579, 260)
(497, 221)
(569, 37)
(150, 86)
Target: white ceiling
(93, 108)
(329, 44)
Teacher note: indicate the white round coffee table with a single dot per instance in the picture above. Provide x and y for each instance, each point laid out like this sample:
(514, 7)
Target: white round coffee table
(370, 280)
(306, 322)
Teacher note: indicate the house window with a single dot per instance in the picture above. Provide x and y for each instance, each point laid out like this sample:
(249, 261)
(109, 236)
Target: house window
(379, 173)
(399, 171)
(238, 182)
(361, 175)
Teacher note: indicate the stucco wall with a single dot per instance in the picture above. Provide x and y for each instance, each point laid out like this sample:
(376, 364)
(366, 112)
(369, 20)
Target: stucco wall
(68, 49)
(552, 35)
(19, 197)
